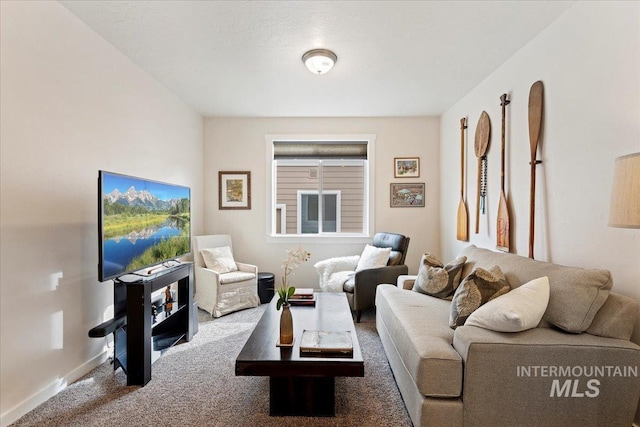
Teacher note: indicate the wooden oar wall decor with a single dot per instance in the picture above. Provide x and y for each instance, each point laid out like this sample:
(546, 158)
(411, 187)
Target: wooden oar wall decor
(535, 123)
(483, 132)
(503, 210)
(463, 218)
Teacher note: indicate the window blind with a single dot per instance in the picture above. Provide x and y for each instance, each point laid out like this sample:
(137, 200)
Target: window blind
(320, 150)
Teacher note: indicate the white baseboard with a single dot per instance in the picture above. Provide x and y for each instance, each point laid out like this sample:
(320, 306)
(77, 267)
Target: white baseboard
(46, 393)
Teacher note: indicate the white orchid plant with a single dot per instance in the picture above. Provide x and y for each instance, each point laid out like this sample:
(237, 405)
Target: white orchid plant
(294, 258)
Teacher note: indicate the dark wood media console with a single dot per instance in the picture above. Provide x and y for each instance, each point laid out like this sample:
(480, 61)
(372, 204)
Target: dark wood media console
(139, 336)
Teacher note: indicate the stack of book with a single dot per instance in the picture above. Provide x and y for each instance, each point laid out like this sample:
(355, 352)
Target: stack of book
(303, 296)
(326, 344)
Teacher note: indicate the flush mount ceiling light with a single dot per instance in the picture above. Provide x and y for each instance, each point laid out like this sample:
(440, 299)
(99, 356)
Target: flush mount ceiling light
(319, 61)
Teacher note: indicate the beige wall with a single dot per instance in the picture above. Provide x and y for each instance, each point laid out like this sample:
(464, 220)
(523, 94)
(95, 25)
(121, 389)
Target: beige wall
(589, 62)
(70, 105)
(239, 144)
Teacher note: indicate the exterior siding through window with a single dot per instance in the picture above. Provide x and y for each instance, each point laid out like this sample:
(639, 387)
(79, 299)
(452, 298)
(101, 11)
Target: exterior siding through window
(348, 180)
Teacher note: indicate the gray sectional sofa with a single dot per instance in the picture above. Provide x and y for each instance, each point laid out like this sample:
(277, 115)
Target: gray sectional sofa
(544, 376)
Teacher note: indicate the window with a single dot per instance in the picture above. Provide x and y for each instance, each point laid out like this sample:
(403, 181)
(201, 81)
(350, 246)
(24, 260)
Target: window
(319, 187)
(308, 212)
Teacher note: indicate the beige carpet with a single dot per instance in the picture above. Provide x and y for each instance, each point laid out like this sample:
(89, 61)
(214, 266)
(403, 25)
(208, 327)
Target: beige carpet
(193, 384)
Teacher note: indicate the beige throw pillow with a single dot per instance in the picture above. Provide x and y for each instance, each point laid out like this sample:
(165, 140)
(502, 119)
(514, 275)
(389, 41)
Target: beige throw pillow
(436, 279)
(373, 257)
(478, 288)
(219, 259)
(518, 310)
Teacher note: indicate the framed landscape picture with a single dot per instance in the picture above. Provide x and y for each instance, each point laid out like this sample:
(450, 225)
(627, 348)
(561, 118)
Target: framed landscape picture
(407, 195)
(234, 190)
(406, 167)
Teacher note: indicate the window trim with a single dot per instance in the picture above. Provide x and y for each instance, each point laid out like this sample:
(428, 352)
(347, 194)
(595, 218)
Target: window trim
(283, 215)
(270, 183)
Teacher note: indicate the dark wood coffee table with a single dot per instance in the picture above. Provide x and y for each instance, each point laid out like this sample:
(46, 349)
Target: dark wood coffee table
(301, 385)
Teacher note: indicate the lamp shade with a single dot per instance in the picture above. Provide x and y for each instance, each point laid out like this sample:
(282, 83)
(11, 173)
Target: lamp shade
(625, 195)
(319, 61)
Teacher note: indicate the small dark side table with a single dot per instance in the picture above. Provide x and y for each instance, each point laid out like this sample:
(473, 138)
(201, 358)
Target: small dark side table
(266, 286)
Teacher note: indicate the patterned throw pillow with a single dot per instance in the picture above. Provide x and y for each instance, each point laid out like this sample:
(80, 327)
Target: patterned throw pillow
(476, 289)
(436, 279)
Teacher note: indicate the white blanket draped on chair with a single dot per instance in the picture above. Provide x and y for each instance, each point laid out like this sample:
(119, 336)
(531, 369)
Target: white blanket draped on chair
(334, 272)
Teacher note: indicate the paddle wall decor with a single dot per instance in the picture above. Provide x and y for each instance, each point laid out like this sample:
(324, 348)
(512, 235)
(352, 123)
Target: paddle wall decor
(481, 146)
(502, 229)
(535, 123)
(483, 133)
(462, 230)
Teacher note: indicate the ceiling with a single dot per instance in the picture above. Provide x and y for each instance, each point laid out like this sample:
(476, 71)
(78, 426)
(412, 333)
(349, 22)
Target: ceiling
(243, 58)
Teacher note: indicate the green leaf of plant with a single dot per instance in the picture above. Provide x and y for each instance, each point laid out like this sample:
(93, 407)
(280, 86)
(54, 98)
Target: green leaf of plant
(291, 291)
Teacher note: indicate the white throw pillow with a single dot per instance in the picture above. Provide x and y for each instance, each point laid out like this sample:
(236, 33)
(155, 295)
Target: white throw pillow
(518, 310)
(219, 259)
(373, 257)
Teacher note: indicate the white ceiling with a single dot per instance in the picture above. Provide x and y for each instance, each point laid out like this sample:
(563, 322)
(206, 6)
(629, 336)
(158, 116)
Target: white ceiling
(243, 58)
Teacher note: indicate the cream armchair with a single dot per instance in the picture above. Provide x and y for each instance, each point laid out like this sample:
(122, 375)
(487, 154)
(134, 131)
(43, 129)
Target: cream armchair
(222, 285)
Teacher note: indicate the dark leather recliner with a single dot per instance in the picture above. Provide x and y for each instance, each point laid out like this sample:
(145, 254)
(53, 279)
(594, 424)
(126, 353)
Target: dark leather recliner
(360, 287)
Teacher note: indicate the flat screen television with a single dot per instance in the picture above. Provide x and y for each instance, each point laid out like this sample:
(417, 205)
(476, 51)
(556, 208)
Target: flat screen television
(141, 223)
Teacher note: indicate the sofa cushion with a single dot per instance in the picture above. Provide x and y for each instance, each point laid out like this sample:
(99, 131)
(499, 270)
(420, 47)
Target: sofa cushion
(235, 276)
(478, 288)
(515, 311)
(419, 326)
(575, 294)
(616, 318)
(373, 257)
(436, 279)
